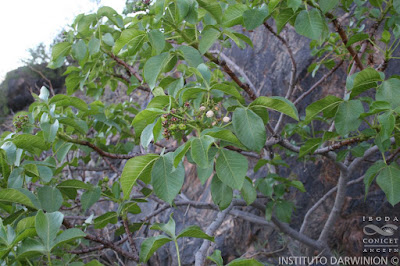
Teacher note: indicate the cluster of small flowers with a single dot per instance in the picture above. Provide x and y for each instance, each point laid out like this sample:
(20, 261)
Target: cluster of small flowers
(210, 114)
(20, 122)
(173, 124)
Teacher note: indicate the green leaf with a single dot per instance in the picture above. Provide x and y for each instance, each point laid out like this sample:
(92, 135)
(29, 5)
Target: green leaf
(213, 7)
(131, 38)
(108, 39)
(276, 103)
(248, 191)
(29, 142)
(357, 38)
(69, 235)
(283, 210)
(229, 90)
(208, 37)
(221, 194)
(216, 258)
(191, 55)
(231, 168)
(11, 152)
(387, 121)
(167, 181)
(233, 15)
(60, 49)
(254, 17)
(371, 173)
(50, 198)
(138, 167)
(389, 181)
(283, 17)
(44, 94)
(150, 245)
(168, 228)
(347, 116)
(365, 80)
(11, 195)
(194, 231)
(309, 23)
(245, 262)
(180, 152)
(225, 135)
(328, 5)
(249, 128)
(65, 100)
(157, 40)
(79, 50)
(310, 146)
(294, 4)
(199, 151)
(47, 226)
(94, 46)
(147, 135)
(144, 118)
(327, 103)
(73, 183)
(30, 248)
(105, 219)
(152, 68)
(389, 91)
(90, 197)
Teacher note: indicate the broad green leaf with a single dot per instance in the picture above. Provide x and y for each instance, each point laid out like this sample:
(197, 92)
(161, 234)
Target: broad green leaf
(253, 18)
(389, 91)
(199, 150)
(25, 223)
(328, 5)
(249, 128)
(231, 168)
(131, 38)
(11, 152)
(167, 181)
(30, 248)
(44, 94)
(150, 245)
(216, 258)
(309, 23)
(309, 147)
(65, 100)
(181, 152)
(347, 116)
(79, 50)
(157, 40)
(168, 228)
(283, 210)
(192, 56)
(47, 226)
(69, 235)
(387, 122)
(50, 198)
(213, 7)
(283, 17)
(50, 130)
(208, 38)
(389, 181)
(194, 231)
(73, 183)
(371, 173)
(152, 68)
(147, 135)
(108, 39)
(138, 167)
(29, 142)
(221, 194)
(105, 219)
(233, 15)
(94, 46)
(294, 4)
(11, 195)
(60, 49)
(357, 38)
(90, 197)
(144, 118)
(245, 262)
(365, 80)
(229, 90)
(248, 191)
(327, 103)
(276, 103)
(226, 135)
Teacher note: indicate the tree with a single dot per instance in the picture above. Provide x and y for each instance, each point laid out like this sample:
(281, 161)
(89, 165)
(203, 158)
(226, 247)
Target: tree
(204, 112)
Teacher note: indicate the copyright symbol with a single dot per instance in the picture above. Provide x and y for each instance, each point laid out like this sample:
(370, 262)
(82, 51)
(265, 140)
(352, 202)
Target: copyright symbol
(394, 260)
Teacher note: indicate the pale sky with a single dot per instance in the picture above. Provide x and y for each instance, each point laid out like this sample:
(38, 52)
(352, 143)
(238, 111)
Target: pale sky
(26, 23)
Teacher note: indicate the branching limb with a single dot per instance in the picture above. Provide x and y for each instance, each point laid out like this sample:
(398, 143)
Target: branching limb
(202, 252)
